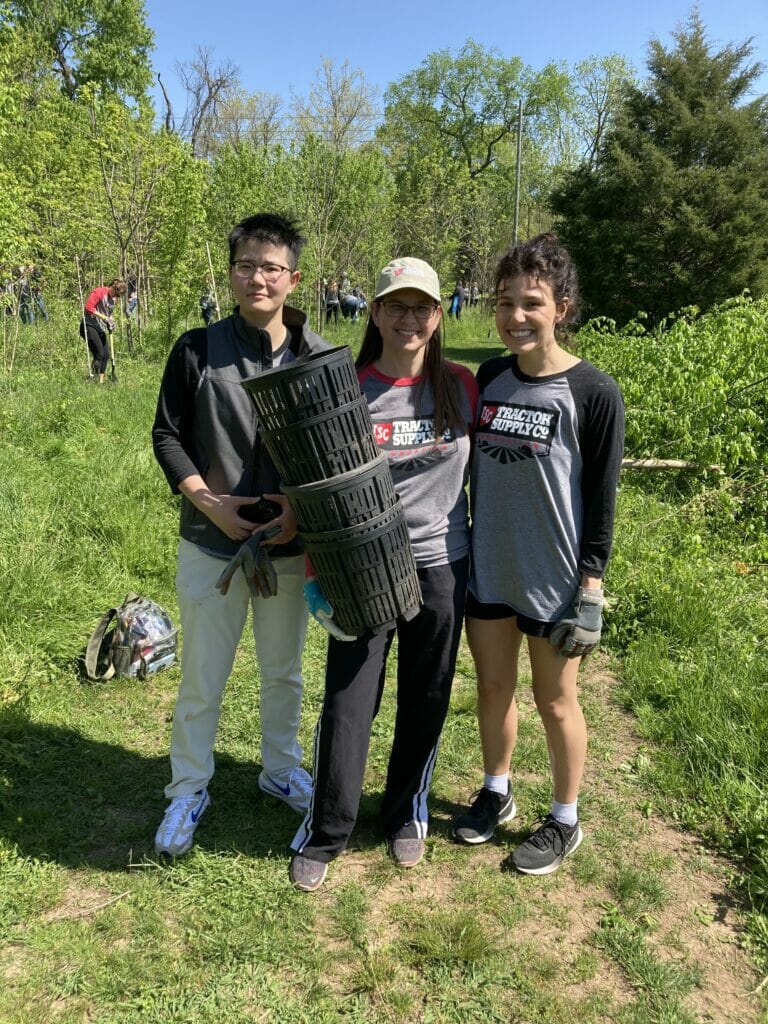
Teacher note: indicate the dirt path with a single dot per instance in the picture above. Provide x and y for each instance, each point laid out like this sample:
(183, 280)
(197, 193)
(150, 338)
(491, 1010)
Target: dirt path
(636, 875)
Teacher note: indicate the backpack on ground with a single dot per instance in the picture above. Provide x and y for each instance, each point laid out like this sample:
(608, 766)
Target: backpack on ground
(141, 640)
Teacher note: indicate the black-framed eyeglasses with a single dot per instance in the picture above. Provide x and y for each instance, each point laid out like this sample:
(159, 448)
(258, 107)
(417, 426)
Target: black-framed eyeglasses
(245, 269)
(422, 310)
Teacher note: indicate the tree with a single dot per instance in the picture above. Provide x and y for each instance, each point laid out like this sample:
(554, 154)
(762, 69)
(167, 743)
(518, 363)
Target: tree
(600, 86)
(255, 118)
(469, 100)
(673, 211)
(463, 109)
(102, 43)
(341, 107)
(207, 86)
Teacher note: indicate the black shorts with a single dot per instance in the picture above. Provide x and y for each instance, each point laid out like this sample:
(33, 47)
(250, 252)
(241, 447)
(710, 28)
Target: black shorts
(489, 611)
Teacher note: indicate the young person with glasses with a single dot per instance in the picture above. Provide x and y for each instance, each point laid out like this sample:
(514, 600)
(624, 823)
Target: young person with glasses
(207, 442)
(422, 409)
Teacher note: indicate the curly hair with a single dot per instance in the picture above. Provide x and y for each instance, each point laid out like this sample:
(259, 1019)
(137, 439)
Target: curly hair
(543, 258)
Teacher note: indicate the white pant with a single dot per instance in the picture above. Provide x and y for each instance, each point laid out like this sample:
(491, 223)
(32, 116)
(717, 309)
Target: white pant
(212, 625)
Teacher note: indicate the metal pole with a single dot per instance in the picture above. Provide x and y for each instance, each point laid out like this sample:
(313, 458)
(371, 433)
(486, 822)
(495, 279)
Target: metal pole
(518, 168)
(213, 281)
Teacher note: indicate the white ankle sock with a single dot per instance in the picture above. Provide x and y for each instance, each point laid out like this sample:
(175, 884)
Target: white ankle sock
(497, 784)
(566, 814)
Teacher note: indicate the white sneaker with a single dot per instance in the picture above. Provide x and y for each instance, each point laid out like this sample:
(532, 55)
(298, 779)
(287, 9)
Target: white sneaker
(294, 789)
(177, 829)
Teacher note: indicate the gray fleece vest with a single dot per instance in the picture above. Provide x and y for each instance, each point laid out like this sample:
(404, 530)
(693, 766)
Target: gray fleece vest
(226, 432)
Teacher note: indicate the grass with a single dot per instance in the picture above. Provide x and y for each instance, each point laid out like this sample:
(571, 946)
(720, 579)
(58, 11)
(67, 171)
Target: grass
(93, 929)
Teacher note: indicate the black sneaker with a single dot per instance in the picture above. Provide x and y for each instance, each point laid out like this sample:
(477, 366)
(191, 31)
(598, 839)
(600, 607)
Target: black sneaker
(544, 851)
(486, 811)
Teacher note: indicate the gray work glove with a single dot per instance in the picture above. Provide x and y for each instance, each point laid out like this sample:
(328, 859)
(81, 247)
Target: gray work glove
(256, 564)
(578, 632)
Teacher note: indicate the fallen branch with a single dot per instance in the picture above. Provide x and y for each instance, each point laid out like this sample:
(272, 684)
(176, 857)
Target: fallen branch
(661, 464)
(100, 906)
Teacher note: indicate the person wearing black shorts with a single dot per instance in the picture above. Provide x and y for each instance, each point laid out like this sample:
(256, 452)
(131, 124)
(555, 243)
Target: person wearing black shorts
(547, 456)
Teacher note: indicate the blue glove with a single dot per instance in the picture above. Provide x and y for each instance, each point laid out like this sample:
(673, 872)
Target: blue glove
(321, 610)
(578, 633)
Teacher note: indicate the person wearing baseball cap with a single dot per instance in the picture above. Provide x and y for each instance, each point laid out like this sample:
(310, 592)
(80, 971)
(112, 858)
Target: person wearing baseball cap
(422, 408)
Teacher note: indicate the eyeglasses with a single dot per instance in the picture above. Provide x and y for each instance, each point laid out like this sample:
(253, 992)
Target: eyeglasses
(422, 310)
(245, 270)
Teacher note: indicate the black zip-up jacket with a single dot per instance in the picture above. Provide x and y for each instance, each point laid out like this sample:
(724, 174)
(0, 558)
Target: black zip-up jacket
(206, 423)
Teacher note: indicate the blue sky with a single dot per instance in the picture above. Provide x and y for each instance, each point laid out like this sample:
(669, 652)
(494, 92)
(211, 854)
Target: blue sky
(279, 44)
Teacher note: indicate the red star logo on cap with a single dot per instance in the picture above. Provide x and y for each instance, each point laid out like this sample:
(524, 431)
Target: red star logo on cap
(398, 271)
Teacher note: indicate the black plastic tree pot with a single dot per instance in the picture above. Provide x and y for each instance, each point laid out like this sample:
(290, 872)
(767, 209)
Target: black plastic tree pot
(308, 387)
(349, 499)
(367, 572)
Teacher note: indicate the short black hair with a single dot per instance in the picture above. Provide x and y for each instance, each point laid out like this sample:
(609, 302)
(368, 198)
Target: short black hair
(268, 227)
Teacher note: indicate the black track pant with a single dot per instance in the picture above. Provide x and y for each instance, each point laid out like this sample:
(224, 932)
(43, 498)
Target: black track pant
(354, 682)
(97, 343)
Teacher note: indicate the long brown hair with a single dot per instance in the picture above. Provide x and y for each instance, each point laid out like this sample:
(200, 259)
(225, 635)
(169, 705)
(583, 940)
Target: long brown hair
(441, 381)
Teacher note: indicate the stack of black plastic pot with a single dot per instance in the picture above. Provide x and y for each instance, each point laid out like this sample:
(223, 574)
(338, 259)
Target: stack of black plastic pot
(316, 426)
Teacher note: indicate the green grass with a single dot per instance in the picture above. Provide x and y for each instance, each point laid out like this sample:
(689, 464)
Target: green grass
(91, 928)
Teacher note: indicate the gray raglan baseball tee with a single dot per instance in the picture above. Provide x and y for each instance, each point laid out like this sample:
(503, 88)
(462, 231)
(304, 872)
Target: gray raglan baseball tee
(429, 472)
(545, 470)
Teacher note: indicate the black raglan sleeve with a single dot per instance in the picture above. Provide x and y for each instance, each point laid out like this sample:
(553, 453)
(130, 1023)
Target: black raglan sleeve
(173, 429)
(491, 369)
(601, 432)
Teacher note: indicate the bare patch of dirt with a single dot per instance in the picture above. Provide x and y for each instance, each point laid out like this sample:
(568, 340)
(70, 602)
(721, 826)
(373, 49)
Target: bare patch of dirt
(696, 924)
(79, 900)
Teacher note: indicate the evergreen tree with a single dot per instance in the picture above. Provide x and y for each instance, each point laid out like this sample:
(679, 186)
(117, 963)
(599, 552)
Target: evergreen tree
(673, 211)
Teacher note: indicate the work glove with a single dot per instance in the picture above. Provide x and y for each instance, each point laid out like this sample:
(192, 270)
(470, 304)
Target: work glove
(256, 564)
(321, 610)
(578, 633)
(110, 324)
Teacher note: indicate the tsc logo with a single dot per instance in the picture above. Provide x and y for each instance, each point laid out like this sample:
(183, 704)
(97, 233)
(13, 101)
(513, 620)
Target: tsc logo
(382, 432)
(488, 414)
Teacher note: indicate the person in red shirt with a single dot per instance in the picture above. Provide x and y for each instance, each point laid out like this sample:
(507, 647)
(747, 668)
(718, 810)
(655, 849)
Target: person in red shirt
(97, 323)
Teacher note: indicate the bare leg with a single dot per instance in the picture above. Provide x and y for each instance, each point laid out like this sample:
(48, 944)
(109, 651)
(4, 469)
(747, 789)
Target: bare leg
(555, 690)
(495, 647)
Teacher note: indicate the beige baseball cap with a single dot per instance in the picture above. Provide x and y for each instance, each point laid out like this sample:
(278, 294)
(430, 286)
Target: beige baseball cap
(408, 272)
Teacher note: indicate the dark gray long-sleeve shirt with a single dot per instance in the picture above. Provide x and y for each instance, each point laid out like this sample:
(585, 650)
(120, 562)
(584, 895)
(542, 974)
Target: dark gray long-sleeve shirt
(205, 423)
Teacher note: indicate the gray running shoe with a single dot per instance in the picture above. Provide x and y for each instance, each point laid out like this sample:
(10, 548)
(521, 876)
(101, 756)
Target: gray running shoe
(405, 851)
(306, 874)
(544, 851)
(486, 811)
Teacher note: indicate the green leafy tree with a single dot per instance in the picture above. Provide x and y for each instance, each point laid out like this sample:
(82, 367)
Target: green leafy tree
(14, 199)
(673, 211)
(101, 43)
(600, 85)
(456, 117)
(341, 108)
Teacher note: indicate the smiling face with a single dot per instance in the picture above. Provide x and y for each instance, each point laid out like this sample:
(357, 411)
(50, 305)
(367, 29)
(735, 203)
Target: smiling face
(406, 335)
(259, 300)
(527, 314)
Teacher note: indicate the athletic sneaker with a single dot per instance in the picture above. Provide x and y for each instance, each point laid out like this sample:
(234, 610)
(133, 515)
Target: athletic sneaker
(177, 829)
(294, 789)
(486, 811)
(306, 874)
(544, 851)
(405, 851)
